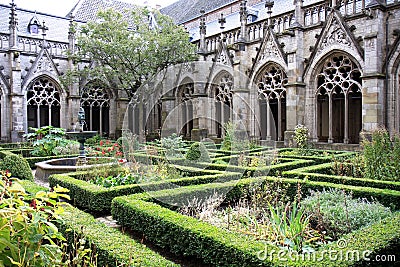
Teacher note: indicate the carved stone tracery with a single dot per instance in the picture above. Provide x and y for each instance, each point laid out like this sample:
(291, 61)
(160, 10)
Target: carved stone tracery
(271, 83)
(43, 93)
(339, 75)
(223, 89)
(95, 97)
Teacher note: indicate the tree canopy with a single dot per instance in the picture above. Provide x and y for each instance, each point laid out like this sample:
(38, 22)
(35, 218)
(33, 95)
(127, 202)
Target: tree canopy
(125, 50)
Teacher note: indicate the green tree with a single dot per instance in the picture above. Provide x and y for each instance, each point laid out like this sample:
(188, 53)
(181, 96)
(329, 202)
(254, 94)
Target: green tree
(126, 49)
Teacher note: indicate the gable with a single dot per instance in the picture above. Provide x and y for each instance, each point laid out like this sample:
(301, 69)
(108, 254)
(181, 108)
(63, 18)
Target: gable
(269, 50)
(335, 35)
(43, 64)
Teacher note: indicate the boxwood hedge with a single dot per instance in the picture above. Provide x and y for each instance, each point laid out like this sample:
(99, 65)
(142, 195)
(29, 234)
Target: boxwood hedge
(322, 172)
(185, 235)
(113, 248)
(98, 199)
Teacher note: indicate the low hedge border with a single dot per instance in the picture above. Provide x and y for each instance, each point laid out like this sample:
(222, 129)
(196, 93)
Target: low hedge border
(318, 159)
(291, 163)
(275, 169)
(98, 199)
(319, 173)
(185, 235)
(16, 164)
(113, 248)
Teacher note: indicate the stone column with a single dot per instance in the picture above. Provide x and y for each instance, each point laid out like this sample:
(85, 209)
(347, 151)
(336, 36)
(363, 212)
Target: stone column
(16, 98)
(295, 88)
(373, 81)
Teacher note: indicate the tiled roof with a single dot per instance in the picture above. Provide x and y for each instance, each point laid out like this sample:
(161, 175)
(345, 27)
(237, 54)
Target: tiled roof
(86, 10)
(58, 26)
(184, 10)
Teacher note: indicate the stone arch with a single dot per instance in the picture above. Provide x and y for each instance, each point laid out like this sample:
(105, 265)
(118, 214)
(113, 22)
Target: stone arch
(44, 98)
(184, 95)
(393, 90)
(270, 82)
(337, 97)
(221, 106)
(95, 100)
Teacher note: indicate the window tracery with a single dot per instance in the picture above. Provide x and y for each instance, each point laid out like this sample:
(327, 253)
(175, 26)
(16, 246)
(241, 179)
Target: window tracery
(271, 83)
(94, 97)
(339, 75)
(43, 92)
(223, 90)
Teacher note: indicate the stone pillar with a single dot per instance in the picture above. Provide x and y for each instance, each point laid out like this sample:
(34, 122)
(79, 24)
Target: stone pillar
(373, 81)
(295, 88)
(16, 98)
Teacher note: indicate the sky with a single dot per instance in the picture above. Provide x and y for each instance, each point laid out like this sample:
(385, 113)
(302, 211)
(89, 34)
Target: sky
(62, 7)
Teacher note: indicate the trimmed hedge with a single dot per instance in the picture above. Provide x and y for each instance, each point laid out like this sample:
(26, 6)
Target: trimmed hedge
(188, 236)
(16, 164)
(113, 248)
(98, 199)
(321, 172)
(291, 163)
(318, 159)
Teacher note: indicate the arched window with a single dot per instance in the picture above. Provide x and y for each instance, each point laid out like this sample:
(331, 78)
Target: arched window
(271, 84)
(221, 91)
(43, 99)
(185, 95)
(96, 103)
(339, 100)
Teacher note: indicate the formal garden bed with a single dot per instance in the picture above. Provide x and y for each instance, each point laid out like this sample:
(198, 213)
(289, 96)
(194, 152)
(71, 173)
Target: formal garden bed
(198, 201)
(184, 235)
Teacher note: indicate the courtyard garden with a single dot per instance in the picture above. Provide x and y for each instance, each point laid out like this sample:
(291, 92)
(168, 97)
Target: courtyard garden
(172, 202)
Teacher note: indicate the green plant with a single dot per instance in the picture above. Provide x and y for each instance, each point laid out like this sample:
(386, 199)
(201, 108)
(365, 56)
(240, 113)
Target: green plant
(28, 235)
(353, 166)
(290, 226)
(198, 153)
(51, 141)
(382, 156)
(173, 145)
(301, 138)
(17, 165)
(337, 213)
(234, 139)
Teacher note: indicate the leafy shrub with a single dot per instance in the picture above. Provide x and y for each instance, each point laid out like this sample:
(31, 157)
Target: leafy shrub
(93, 140)
(173, 145)
(234, 139)
(353, 167)
(198, 153)
(338, 213)
(51, 141)
(28, 234)
(301, 136)
(382, 156)
(17, 165)
(120, 179)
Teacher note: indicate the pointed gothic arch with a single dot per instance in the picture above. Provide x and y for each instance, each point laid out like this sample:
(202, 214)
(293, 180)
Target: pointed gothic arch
(271, 84)
(43, 102)
(222, 107)
(184, 96)
(95, 100)
(338, 100)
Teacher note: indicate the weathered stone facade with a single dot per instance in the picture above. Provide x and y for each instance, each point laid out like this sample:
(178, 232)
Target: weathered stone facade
(330, 65)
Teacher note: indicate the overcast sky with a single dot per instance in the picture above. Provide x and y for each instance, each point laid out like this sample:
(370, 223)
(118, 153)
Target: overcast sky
(62, 7)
